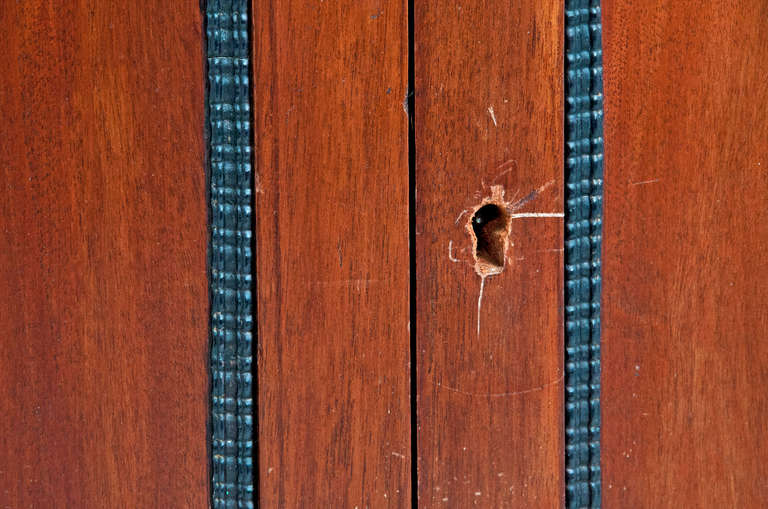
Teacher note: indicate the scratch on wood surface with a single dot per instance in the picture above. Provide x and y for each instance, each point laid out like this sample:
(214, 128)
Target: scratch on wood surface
(502, 174)
(493, 115)
(355, 284)
(406, 109)
(517, 205)
(536, 214)
(480, 302)
(503, 394)
(512, 162)
(450, 252)
(644, 182)
(462, 213)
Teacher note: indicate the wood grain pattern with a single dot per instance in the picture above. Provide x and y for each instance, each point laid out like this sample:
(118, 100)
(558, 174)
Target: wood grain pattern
(332, 238)
(103, 288)
(489, 113)
(685, 362)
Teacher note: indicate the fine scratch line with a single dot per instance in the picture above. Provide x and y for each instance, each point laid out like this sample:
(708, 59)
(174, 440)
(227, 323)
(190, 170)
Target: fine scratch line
(480, 303)
(493, 115)
(644, 182)
(536, 214)
(450, 252)
(502, 394)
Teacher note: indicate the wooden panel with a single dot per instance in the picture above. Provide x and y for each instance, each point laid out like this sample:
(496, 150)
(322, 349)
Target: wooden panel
(332, 237)
(685, 362)
(103, 286)
(489, 119)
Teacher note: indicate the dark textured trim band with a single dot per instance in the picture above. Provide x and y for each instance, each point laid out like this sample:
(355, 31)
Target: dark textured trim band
(231, 181)
(583, 239)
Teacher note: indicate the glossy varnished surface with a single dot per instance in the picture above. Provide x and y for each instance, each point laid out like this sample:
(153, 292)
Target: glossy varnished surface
(103, 290)
(332, 253)
(685, 361)
(489, 113)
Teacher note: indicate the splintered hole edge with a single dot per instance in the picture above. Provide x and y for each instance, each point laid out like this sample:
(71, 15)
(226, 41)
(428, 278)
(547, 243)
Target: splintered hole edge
(490, 228)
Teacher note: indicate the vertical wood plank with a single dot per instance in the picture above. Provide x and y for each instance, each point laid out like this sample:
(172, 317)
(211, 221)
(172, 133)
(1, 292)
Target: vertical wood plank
(332, 250)
(103, 280)
(489, 118)
(685, 361)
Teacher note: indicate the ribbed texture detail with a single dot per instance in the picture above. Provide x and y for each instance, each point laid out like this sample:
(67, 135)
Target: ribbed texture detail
(583, 222)
(231, 182)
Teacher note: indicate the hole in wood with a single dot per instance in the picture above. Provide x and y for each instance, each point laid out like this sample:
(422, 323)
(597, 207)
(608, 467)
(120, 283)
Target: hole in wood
(489, 224)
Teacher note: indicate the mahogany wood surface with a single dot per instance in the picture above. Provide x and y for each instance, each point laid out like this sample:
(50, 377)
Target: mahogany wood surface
(103, 244)
(103, 239)
(332, 248)
(489, 112)
(685, 358)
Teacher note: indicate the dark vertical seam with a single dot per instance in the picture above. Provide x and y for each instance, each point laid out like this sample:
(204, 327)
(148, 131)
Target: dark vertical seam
(411, 102)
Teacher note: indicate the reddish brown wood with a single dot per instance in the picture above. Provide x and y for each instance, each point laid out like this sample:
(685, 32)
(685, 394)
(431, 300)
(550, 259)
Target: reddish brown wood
(103, 290)
(332, 237)
(489, 113)
(685, 362)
